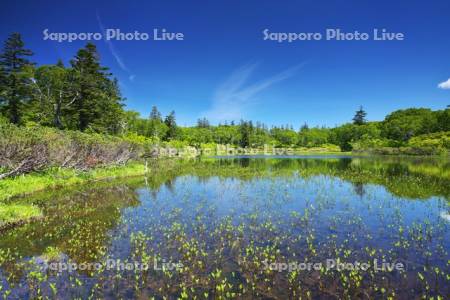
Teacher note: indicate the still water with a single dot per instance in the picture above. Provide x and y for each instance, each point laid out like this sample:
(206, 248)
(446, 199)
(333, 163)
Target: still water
(249, 228)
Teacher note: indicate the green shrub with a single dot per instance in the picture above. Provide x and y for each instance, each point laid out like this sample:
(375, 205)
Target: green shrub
(32, 148)
(17, 212)
(439, 140)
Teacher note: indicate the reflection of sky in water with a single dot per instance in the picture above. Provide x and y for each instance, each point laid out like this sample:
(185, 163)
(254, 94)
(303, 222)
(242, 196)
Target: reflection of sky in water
(354, 215)
(276, 198)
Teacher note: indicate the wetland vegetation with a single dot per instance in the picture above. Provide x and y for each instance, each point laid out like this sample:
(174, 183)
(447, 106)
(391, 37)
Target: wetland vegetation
(91, 208)
(242, 227)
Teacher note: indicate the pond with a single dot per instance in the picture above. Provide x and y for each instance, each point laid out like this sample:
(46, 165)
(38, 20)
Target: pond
(241, 227)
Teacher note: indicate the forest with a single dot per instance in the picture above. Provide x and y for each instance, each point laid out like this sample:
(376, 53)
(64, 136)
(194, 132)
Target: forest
(224, 150)
(74, 116)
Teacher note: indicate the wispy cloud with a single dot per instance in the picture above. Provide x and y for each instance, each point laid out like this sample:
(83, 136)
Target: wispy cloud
(444, 85)
(114, 51)
(233, 96)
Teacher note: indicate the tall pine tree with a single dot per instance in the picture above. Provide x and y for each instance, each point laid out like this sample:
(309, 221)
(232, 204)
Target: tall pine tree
(99, 103)
(15, 78)
(157, 128)
(360, 116)
(171, 124)
(155, 115)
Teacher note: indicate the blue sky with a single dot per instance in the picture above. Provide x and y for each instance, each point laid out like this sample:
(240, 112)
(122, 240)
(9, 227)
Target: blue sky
(223, 69)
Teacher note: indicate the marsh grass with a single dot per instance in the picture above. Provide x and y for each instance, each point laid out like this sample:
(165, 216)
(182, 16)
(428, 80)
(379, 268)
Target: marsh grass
(12, 213)
(55, 178)
(15, 214)
(222, 219)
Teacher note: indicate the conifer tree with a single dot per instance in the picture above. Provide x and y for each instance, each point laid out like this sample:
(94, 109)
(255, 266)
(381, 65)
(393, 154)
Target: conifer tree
(157, 128)
(99, 103)
(60, 63)
(245, 129)
(155, 114)
(15, 78)
(171, 124)
(360, 116)
(203, 123)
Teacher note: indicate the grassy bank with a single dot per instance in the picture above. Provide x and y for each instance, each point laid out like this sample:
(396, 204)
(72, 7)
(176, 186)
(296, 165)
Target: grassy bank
(11, 213)
(53, 178)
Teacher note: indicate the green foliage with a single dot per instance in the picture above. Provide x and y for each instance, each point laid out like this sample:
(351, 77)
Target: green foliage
(28, 149)
(98, 103)
(401, 125)
(368, 143)
(172, 128)
(58, 177)
(346, 134)
(324, 148)
(227, 134)
(284, 137)
(203, 123)
(418, 151)
(3, 120)
(313, 137)
(84, 96)
(15, 69)
(150, 128)
(438, 140)
(54, 96)
(443, 119)
(10, 213)
(360, 117)
(82, 222)
(196, 135)
(157, 128)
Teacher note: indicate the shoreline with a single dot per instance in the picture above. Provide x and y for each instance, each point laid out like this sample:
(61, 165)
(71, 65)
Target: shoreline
(12, 215)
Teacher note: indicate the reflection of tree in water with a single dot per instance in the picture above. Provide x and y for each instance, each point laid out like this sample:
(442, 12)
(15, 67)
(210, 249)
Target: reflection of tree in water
(344, 163)
(79, 223)
(403, 177)
(358, 188)
(245, 162)
(74, 223)
(169, 184)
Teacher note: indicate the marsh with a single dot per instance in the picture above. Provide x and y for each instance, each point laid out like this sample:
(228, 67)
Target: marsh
(222, 221)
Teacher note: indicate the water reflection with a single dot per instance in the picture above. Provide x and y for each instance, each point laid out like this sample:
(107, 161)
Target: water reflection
(226, 216)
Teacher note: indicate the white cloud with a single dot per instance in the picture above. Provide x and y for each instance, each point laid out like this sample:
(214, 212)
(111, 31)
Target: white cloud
(114, 51)
(233, 96)
(444, 85)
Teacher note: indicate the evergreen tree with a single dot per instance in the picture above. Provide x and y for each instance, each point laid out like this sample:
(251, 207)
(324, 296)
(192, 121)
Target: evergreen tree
(245, 129)
(99, 103)
(443, 119)
(110, 108)
(157, 128)
(60, 63)
(155, 115)
(203, 123)
(15, 78)
(171, 125)
(360, 117)
(304, 127)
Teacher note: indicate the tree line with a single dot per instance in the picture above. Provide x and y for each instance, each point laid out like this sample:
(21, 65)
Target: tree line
(85, 96)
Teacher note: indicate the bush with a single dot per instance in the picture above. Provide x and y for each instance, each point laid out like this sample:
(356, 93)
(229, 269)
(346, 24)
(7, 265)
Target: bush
(27, 149)
(423, 151)
(369, 143)
(21, 150)
(438, 140)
